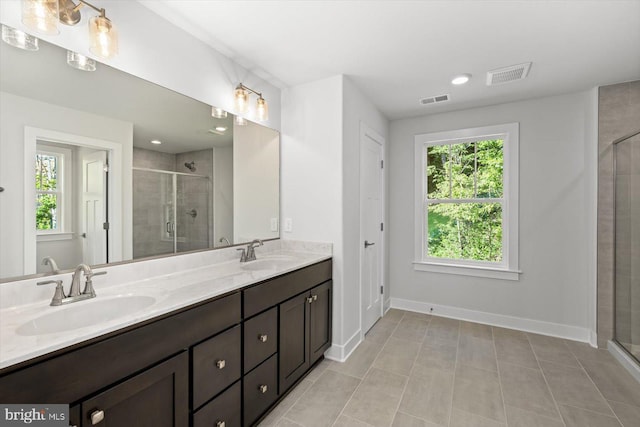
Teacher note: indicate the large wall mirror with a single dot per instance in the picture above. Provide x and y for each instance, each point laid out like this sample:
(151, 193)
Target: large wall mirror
(101, 167)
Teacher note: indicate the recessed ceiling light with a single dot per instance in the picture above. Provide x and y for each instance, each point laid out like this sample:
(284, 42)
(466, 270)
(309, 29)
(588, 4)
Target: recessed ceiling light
(221, 128)
(461, 79)
(156, 142)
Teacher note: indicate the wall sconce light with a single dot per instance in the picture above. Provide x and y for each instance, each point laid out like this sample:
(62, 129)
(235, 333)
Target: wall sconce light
(241, 100)
(43, 16)
(19, 39)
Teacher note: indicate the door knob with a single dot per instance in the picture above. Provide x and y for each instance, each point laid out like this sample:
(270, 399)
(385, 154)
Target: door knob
(367, 244)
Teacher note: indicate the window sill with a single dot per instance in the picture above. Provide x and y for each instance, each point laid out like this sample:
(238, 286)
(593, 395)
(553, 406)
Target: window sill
(467, 270)
(52, 237)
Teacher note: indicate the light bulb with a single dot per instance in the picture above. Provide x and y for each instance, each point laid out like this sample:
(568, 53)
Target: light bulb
(263, 109)
(103, 36)
(241, 100)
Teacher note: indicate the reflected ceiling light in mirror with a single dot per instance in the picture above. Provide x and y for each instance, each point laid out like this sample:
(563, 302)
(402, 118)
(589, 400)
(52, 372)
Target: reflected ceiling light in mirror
(221, 128)
(41, 16)
(80, 62)
(19, 39)
(156, 142)
(241, 100)
(461, 79)
(240, 121)
(218, 113)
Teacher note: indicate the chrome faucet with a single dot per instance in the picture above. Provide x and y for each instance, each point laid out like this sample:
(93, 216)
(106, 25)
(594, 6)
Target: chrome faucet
(249, 254)
(224, 239)
(50, 262)
(60, 298)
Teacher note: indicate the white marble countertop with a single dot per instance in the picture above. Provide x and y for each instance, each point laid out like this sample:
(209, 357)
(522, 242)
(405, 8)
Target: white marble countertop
(21, 340)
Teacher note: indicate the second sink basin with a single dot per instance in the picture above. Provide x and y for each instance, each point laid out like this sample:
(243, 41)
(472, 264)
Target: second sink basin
(85, 313)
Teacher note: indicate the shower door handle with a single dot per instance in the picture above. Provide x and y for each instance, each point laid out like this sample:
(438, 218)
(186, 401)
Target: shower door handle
(170, 227)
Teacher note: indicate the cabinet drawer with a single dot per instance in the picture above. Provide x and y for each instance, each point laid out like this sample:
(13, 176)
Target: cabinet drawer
(260, 390)
(260, 338)
(223, 411)
(216, 364)
(273, 292)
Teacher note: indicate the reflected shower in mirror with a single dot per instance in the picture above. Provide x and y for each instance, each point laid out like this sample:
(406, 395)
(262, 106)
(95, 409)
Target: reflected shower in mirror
(102, 167)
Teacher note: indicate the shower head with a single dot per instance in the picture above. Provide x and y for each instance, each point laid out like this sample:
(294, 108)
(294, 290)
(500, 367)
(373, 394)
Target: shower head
(191, 166)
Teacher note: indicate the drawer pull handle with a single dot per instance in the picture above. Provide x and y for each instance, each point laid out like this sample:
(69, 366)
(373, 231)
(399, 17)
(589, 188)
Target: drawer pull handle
(315, 297)
(221, 424)
(262, 337)
(220, 364)
(263, 388)
(309, 300)
(96, 417)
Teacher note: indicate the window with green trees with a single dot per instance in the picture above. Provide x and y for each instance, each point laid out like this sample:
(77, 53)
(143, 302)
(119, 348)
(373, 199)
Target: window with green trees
(466, 188)
(48, 194)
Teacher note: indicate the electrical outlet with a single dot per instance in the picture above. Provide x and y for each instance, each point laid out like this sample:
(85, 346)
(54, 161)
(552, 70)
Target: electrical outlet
(288, 225)
(274, 224)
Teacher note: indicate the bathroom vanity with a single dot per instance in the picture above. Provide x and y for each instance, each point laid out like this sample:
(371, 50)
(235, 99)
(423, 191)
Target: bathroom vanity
(222, 361)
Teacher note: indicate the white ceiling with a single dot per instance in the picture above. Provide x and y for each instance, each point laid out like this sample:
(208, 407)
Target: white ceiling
(397, 52)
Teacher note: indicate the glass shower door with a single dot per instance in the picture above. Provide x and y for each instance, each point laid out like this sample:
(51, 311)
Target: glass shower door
(153, 214)
(627, 244)
(193, 213)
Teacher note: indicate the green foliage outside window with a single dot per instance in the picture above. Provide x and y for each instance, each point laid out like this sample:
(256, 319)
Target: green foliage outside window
(469, 230)
(46, 182)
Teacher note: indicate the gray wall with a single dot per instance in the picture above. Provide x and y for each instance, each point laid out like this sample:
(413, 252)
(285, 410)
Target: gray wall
(619, 115)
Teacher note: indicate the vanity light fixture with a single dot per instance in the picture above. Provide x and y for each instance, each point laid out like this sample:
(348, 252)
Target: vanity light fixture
(80, 62)
(43, 16)
(156, 141)
(19, 39)
(461, 79)
(241, 100)
(218, 113)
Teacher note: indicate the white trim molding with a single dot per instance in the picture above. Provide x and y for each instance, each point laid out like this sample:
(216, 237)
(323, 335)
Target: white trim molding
(340, 353)
(558, 330)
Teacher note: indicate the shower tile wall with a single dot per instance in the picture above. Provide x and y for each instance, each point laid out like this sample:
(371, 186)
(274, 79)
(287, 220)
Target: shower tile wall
(194, 194)
(619, 115)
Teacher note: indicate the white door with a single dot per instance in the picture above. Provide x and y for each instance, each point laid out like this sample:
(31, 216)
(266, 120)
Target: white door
(371, 210)
(94, 245)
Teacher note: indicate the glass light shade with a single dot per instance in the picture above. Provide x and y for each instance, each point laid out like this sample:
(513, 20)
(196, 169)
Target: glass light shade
(241, 121)
(103, 37)
(19, 39)
(263, 109)
(80, 62)
(218, 113)
(41, 16)
(241, 100)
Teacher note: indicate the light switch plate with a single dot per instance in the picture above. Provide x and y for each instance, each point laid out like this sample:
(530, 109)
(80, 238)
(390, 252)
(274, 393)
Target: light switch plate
(288, 225)
(274, 224)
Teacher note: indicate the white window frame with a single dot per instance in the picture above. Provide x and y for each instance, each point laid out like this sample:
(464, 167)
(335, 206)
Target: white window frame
(64, 193)
(508, 268)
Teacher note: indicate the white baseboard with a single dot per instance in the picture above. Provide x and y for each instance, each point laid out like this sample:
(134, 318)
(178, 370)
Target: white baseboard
(593, 339)
(625, 360)
(528, 325)
(341, 353)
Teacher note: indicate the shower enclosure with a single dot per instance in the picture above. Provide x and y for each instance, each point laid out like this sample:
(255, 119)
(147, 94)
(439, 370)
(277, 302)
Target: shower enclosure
(627, 243)
(171, 212)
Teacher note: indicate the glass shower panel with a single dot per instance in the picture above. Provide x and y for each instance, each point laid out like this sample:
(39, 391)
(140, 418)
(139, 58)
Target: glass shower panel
(193, 217)
(153, 213)
(627, 244)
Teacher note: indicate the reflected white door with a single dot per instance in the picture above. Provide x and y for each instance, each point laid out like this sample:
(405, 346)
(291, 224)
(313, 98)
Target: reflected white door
(94, 245)
(371, 208)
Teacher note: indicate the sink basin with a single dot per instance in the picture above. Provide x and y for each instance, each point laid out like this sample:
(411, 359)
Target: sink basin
(270, 263)
(85, 313)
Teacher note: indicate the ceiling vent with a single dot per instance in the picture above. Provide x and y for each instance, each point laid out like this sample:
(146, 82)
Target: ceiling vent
(434, 99)
(508, 74)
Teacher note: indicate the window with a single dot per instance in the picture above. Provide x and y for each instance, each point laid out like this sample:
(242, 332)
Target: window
(467, 201)
(52, 181)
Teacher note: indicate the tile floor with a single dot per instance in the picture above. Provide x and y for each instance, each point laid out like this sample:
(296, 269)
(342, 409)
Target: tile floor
(414, 370)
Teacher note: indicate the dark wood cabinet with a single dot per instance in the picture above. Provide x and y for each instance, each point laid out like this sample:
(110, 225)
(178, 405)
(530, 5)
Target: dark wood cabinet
(158, 397)
(220, 362)
(305, 332)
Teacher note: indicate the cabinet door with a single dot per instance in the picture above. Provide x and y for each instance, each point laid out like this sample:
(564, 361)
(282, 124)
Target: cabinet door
(320, 321)
(294, 345)
(157, 397)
